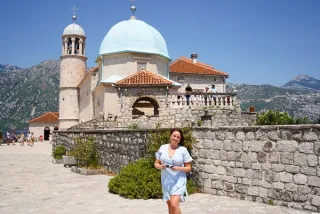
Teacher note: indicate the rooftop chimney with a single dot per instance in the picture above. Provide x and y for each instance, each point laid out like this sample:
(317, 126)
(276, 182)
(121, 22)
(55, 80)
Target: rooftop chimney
(194, 57)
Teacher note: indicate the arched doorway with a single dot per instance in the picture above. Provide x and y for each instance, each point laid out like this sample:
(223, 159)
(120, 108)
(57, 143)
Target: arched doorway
(145, 106)
(46, 133)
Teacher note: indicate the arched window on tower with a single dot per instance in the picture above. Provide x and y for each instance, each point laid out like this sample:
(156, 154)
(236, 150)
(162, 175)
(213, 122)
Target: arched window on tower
(76, 46)
(69, 46)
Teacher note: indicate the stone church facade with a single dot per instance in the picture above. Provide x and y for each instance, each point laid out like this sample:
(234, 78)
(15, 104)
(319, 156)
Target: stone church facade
(135, 82)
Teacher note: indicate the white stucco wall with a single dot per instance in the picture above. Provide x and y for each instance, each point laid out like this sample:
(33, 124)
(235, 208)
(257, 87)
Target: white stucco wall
(111, 101)
(126, 64)
(86, 101)
(199, 82)
(98, 101)
(38, 128)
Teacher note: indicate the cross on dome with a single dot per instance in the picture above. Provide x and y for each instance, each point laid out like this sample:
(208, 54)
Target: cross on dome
(74, 17)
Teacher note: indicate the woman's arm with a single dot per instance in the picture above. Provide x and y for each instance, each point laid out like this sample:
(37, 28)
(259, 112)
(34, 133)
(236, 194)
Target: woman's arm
(158, 165)
(186, 168)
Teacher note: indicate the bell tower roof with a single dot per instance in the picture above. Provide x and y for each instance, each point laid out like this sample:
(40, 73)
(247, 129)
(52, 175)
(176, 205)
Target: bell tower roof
(74, 29)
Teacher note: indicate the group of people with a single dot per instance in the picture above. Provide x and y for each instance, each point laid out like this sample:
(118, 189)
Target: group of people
(13, 138)
(212, 89)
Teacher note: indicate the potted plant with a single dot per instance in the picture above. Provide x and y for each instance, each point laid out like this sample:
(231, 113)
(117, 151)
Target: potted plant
(57, 154)
(68, 159)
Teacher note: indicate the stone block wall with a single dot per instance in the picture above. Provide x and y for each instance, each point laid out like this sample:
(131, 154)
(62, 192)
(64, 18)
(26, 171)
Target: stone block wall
(271, 164)
(116, 148)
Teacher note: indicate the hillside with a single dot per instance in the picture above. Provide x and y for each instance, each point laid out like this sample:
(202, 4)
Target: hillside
(28, 93)
(298, 102)
(303, 81)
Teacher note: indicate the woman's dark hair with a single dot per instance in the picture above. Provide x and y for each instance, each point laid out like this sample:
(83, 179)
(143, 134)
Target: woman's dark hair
(181, 135)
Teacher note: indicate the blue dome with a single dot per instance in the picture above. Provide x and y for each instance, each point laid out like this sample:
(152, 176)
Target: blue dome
(134, 36)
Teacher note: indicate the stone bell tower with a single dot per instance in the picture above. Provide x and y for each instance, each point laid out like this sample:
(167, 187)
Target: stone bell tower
(72, 71)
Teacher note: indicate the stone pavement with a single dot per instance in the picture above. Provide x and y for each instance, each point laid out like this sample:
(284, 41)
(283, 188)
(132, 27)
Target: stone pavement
(30, 183)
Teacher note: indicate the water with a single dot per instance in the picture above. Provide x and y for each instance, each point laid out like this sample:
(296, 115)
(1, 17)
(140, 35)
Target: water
(4, 132)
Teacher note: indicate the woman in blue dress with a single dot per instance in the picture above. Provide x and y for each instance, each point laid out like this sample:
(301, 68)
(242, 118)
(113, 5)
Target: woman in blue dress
(174, 161)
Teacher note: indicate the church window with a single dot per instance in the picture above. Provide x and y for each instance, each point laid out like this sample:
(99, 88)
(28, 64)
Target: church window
(141, 66)
(69, 46)
(76, 46)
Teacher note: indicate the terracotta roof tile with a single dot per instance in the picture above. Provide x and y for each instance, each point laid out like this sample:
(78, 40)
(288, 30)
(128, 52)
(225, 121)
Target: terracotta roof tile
(185, 65)
(144, 77)
(49, 117)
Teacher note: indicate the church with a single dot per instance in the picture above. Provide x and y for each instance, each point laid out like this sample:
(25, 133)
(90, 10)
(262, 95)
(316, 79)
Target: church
(135, 81)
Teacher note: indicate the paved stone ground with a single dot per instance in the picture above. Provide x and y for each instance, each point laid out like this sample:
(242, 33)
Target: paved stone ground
(30, 183)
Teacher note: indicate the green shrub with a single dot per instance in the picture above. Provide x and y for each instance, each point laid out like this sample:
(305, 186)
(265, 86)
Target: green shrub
(133, 126)
(140, 180)
(85, 153)
(274, 117)
(59, 152)
(199, 123)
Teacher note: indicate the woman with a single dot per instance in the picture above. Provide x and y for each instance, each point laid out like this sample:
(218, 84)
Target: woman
(174, 161)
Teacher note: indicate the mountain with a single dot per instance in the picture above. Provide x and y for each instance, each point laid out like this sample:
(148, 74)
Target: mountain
(9, 68)
(297, 101)
(28, 93)
(303, 81)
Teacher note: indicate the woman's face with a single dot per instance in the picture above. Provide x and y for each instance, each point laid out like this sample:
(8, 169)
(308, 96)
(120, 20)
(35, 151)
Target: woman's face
(175, 137)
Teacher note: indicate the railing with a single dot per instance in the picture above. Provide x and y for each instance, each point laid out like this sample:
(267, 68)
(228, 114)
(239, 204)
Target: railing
(179, 100)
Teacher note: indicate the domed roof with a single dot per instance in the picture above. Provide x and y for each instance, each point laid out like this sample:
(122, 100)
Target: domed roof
(134, 36)
(73, 29)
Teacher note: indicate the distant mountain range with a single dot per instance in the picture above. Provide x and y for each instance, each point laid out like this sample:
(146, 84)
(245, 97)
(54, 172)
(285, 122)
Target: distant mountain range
(303, 81)
(29, 93)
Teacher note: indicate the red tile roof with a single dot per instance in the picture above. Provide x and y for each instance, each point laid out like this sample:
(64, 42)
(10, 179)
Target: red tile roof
(144, 78)
(186, 66)
(49, 117)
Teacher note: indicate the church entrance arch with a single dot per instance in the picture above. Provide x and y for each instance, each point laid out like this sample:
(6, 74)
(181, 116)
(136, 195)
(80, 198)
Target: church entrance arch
(46, 133)
(145, 106)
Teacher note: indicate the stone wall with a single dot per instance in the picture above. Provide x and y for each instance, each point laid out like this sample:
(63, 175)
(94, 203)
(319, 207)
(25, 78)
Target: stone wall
(270, 164)
(116, 148)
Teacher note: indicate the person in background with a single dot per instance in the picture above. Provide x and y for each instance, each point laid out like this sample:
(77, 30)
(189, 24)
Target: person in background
(213, 90)
(21, 139)
(8, 138)
(205, 96)
(29, 138)
(32, 139)
(13, 138)
(188, 89)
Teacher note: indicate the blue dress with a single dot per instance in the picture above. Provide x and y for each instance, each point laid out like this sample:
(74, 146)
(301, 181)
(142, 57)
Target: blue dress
(173, 182)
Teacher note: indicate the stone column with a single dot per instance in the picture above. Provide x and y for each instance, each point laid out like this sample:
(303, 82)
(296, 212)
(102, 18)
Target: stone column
(80, 47)
(73, 44)
(84, 48)
(65, 47)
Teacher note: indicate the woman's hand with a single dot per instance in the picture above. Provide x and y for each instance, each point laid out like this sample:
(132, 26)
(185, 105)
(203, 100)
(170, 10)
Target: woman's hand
(186, 168)
(159, 165)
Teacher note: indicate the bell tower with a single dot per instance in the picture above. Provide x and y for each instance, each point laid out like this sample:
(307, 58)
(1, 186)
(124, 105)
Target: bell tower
(72, 71)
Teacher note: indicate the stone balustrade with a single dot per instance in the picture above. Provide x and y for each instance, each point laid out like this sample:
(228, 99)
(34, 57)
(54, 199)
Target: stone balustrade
(180, 100)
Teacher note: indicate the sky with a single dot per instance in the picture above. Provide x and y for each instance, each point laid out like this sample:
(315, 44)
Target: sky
(254, 41)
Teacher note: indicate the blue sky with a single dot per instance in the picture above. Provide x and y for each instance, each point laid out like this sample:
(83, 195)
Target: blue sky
(255, 41)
